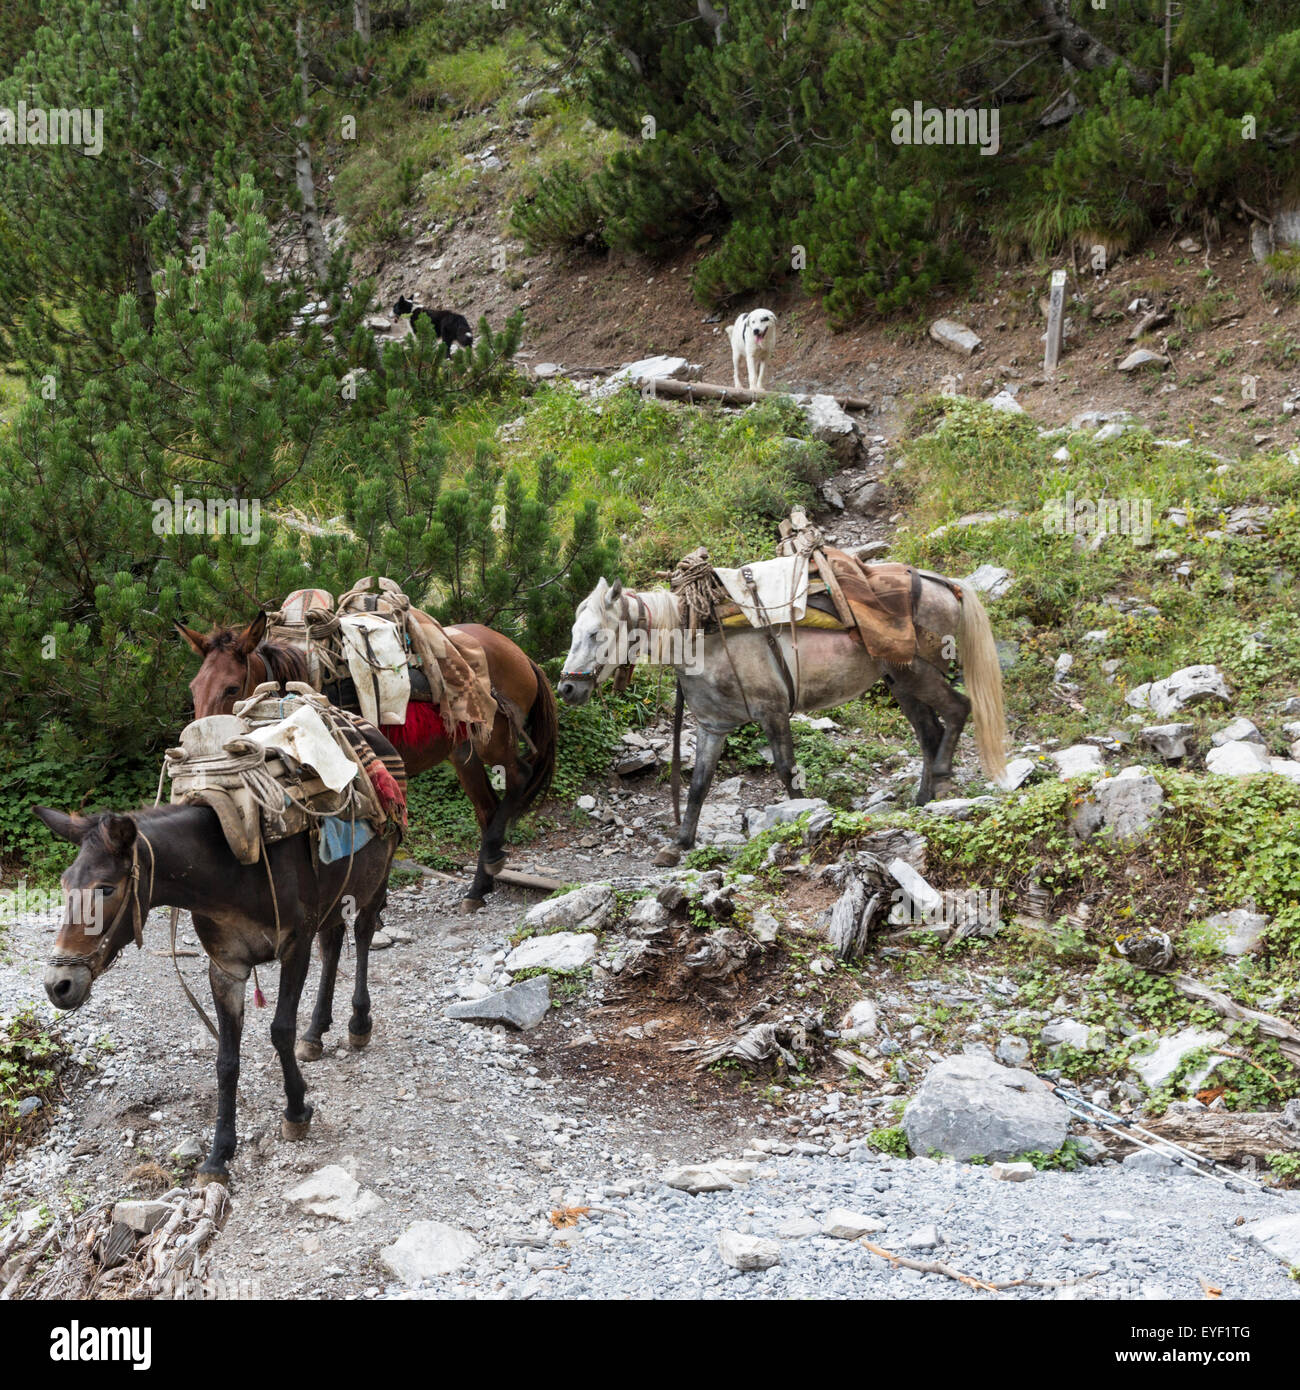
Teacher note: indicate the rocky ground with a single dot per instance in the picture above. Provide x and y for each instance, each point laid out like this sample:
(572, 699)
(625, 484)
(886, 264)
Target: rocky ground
(588, 1156)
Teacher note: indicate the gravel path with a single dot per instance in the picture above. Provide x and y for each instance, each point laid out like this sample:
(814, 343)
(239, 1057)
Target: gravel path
(493, 1133)
(1106, 1233)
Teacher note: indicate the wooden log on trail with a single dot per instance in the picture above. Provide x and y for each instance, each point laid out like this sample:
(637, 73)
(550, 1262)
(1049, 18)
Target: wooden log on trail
(733, 395)
(1227, 1136)
(1284, 1034)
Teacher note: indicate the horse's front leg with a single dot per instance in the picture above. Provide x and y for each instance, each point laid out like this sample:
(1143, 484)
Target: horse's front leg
(309, 1046)
(228, 996)
(709, 744)
(284, 1030)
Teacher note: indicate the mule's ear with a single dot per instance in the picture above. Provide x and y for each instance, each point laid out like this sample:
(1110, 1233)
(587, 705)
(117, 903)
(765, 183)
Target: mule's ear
(62, 825)
(198, 643)
(615, 591)
(251, 635)
(118, 834)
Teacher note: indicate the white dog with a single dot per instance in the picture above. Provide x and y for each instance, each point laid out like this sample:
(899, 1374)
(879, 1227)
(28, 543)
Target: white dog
(752, 336)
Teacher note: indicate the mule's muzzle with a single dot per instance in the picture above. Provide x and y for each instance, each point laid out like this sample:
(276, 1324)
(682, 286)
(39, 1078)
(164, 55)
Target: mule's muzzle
(68, 986)
(575, 690)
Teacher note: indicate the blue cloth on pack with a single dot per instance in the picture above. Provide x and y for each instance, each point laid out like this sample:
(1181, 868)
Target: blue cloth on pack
(339, 837)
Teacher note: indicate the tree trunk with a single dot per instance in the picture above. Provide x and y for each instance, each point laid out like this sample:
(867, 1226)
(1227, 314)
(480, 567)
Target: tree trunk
(1081, 49)
(313, 232)
(361, 19)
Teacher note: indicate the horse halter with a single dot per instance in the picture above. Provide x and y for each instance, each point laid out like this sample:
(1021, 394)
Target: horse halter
(623, 673)
(92, 962)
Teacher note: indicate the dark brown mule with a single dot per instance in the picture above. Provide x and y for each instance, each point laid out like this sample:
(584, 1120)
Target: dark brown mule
(237, 660)
(177, 856)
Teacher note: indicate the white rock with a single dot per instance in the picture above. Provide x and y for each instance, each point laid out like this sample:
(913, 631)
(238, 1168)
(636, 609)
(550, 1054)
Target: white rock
(1279, 1235)
(747, 1252)
(562, 950)
(1156, 1068)
(850, 1225)
(1239, 759)
(1018, 773)
(1078, 759)
(859, 1022)
(991, 580)
(1242, 930)
(1013, 1172)
(719, 1176)
(956, 337)
(333, 1192)
(1006, 402)
(1239, 731)
(427, 1249)
(1141, 357)
(588, 907)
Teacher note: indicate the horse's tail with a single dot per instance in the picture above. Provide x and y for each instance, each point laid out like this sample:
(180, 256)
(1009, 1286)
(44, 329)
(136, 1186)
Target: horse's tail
(978, 653)
(543, 726)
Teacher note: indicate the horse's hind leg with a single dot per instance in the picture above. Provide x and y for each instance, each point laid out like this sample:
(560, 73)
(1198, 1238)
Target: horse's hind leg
(309, 1046)
(929, 734)
(777, 729)
(284, 1027)
(927, 685)
(474, 779)
(361, 1023)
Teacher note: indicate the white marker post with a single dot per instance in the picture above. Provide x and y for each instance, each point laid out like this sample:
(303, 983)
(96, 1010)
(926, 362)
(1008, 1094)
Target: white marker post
(1055, 322)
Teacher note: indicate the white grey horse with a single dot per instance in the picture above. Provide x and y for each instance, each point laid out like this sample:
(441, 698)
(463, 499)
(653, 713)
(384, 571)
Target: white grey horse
(734, 679)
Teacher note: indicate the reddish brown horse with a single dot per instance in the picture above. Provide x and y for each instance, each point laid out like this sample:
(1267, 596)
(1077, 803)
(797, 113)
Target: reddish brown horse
(237, 660)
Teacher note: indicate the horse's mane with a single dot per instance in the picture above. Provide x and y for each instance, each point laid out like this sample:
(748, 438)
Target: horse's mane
(665, 612)
(282, 663)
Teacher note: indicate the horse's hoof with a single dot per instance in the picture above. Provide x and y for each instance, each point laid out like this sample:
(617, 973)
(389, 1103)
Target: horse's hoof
(205, 1176)
(468, 905)
(667, 857)
(495, 867)
(308, 1051)
(358, 1040)
(295, 1130)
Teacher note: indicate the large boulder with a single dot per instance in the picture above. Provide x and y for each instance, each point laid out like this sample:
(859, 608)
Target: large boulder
(956, 337)
(1169, 742)
(333, 1191)
(1193, 685)
(522, 1006)
(1127, 805)
(781, 813)
(588, 907)
(1242, 758)
(970, 1107)
(562, 950)
(834, 426)
(427, 1249)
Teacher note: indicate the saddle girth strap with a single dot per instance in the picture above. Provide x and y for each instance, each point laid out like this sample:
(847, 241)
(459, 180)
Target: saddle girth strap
(772, 644)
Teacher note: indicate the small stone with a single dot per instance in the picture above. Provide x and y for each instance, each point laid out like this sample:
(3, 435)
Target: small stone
(561, 950)
(746, 1252)
(849, 1225)
(142, 1217)
(522, 1006)
(1013, 1172)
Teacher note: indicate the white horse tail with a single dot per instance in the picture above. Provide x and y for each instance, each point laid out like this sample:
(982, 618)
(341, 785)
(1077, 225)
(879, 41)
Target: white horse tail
(978, 653)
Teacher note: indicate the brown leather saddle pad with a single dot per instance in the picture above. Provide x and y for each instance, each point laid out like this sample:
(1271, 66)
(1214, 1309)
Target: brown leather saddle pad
(878, 598)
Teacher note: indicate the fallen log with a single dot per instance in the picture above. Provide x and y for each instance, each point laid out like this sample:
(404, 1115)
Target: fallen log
(734, 395)
(1227, 1136)
(1286, 1036)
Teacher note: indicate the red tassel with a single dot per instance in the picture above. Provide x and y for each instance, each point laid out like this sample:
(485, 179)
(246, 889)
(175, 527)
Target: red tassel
(423, 726)
(259, 999)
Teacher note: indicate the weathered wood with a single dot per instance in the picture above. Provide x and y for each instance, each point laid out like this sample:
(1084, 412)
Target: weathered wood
(1286, 1037)
(1227, 1136)
(516, 879)
(732, 395)
(1055, 322)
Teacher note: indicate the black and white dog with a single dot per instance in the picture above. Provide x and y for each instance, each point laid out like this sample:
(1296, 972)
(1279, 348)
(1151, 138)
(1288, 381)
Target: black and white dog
(752, 337)
(451, 327)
